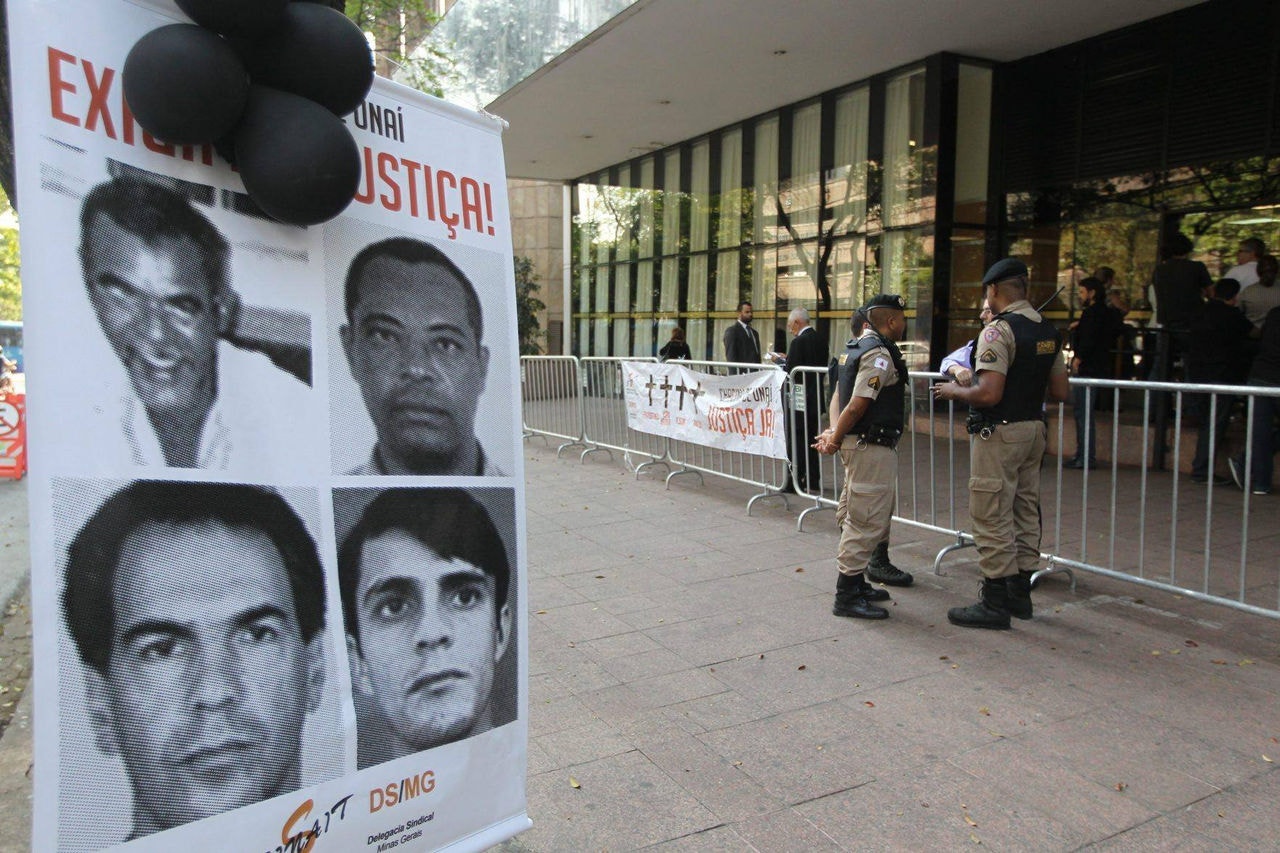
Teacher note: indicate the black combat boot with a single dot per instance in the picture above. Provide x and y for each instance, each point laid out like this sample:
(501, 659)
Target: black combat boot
(882, 571)
(991, 611)
(852, 600)
(1019, 594)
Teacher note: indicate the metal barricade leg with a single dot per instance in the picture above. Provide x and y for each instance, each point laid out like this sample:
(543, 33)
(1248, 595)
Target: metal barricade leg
(1053, 567)
(963, 540)
(768, 493)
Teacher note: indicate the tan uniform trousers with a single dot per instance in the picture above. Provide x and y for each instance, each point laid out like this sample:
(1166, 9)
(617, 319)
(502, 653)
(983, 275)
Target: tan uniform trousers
(1004, 497)
(866, 501)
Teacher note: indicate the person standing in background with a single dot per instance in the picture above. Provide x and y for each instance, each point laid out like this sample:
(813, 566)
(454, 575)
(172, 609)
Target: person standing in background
(675, 349)
(1258, 301)
(1247, 256)
(741, 342)
(1092, 337)
(806, 350)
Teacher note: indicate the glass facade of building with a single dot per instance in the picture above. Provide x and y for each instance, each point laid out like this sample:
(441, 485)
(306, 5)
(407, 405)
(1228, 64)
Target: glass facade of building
(915, 180)
(819, 205)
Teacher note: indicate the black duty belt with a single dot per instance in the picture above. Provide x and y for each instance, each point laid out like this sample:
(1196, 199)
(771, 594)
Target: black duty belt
(986, 427)
(881, 436)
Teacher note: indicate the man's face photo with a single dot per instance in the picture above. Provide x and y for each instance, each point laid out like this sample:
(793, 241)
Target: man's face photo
(208, 680)
(430, 635)
(419, 363)
(159, 313)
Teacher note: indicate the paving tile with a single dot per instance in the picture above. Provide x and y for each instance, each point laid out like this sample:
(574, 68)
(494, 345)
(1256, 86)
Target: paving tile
(939, 807)
(720, 838)
(580, 622)
(1172, 834)
(1157, 763)
(620, 645)
(624, 802)
(717, 711)
(1022, 773)
(590, 739)
(712, 778)
(786, 829)
(658, 661)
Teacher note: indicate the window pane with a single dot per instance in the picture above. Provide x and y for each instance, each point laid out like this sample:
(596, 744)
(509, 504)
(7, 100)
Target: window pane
(731, 196)
(907, 269)
(645, 237)
(847, 180)
(799, 196)
(908, 165)
(973, 138)
(844, 272)
(700, 196)
(765, 201)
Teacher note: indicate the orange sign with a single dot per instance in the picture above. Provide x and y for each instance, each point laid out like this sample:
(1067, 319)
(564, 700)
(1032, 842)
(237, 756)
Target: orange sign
(13, 436)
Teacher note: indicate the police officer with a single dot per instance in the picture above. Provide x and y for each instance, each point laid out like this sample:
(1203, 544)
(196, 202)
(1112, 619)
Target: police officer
(866, 423)
(880, 568)
(1018, 356)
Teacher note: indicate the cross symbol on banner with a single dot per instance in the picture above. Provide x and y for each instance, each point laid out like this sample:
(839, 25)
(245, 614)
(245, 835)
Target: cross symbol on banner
(651, 385)
(682, 388)
(695, 392)
(666, 387)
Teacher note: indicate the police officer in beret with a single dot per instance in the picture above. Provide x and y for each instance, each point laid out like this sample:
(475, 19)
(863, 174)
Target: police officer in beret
(866, 423)
(1018, 356)
(881, 568)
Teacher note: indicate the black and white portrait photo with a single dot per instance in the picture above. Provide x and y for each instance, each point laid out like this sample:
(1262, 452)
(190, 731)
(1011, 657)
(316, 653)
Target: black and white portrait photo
(422, 329)
(198, 350)
(426, 579)
(197, 675)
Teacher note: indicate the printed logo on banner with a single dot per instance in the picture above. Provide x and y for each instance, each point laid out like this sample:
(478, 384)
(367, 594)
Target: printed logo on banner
(300, 831)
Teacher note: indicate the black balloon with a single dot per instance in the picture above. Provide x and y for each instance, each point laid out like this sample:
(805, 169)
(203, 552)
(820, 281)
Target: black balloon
(184, 84)
(235, 17)
(317, 53)
(298, 160)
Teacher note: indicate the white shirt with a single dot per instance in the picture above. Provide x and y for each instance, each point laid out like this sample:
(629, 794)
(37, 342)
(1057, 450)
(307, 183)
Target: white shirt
(265, 422)
(1246, 274)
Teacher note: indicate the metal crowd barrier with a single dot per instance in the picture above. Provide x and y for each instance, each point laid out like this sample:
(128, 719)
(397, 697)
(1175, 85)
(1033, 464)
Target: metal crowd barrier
(1161, 529)
(761, 472)
(1126, 519)
(551, 396)
(604, 416)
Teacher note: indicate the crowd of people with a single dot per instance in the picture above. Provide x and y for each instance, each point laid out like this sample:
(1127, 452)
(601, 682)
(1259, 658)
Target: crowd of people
(1225, 332)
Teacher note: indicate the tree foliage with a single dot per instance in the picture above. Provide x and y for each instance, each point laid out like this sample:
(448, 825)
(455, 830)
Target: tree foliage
(527, 306)
(10, 282)
(399, 29)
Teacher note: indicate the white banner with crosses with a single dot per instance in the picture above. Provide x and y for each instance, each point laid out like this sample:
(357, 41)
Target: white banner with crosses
(741, 413)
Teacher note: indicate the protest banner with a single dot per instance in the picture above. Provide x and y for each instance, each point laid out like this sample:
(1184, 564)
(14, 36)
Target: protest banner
(277, 504)
(742, 412)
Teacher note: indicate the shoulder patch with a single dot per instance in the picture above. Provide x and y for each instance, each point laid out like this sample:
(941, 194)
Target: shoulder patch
(874, 383)
(987, 357)
(843, 358)
(1046, 347)
(881, 363)
(990, 334)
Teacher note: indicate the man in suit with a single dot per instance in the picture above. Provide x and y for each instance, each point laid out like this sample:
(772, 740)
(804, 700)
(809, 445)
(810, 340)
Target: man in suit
(741, 342)
(806, 350)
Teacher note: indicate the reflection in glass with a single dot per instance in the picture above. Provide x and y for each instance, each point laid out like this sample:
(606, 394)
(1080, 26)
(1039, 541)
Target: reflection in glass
(847, 180)
(495, 44)
(908, 164)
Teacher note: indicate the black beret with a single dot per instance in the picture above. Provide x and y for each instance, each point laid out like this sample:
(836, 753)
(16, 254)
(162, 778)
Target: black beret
(1001, 270)
(885, 300)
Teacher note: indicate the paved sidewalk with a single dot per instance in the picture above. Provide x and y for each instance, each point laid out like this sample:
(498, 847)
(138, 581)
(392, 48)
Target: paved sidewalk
(690, 690)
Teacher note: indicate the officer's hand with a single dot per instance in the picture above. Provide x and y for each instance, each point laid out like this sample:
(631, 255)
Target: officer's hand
(944, 391)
